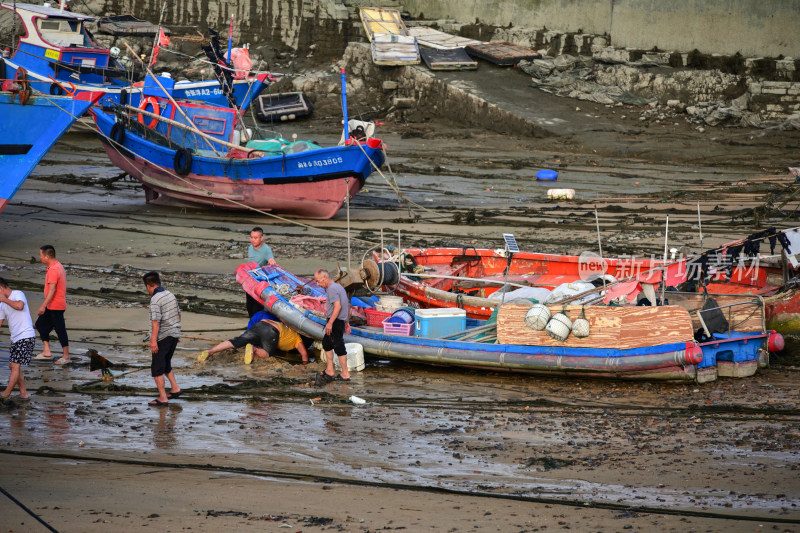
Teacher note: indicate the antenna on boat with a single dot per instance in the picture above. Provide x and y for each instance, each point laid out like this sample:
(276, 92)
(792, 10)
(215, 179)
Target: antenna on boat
(700, 225)
(599, 243)
(344, 107)
(511, 248)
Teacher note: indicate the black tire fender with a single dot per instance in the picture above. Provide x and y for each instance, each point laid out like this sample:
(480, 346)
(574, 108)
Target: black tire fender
(123, 97)
(117, 133)
(183, 161)
(56, 89)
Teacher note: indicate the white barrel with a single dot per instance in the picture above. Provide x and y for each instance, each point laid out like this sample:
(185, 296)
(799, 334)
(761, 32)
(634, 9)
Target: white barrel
(559, 327)
(537, 316)
(355, 358)
(560, 194)
(390, 304)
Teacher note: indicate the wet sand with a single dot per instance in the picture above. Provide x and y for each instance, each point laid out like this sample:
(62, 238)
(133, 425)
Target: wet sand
(432, 449)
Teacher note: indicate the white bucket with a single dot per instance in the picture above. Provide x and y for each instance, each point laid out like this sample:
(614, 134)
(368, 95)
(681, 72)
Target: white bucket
(390, 304)
(560, 194)
(355, 358)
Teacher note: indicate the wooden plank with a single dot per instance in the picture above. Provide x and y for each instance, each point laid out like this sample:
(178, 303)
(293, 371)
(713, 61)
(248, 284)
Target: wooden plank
(502, 53)
(439, 40)
(744, 318)
(611, 327)
(389, 49)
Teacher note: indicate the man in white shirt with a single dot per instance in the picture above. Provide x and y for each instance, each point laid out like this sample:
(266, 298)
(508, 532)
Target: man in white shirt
(14, 308)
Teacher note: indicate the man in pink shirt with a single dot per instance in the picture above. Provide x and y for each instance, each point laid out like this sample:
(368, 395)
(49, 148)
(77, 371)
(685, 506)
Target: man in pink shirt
(51, 313)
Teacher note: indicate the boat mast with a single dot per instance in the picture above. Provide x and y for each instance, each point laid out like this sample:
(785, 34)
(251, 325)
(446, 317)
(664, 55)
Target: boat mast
(158, 32)
(344, 107)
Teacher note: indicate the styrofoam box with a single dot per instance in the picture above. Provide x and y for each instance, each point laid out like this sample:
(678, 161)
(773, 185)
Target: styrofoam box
(435, 323)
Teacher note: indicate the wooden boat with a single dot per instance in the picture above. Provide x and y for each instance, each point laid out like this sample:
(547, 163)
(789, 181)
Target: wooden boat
(390, 40)
(454, 277)
(192, 153)
(62, 57)
(30, 126)
(624, 342)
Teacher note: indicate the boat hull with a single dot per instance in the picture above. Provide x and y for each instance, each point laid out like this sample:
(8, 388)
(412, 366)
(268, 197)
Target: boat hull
(320, 200)
(27, 132)
(310, 184)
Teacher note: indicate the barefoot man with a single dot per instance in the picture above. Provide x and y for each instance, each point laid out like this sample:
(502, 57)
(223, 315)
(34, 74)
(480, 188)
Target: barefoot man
(51, 312)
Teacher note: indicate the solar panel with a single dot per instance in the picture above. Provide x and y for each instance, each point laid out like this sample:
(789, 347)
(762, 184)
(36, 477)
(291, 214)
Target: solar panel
(511, 243)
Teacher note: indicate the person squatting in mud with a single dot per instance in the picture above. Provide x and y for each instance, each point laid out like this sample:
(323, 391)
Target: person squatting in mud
(338, 313)
(14, 308)
(165, 321)
(264, 337)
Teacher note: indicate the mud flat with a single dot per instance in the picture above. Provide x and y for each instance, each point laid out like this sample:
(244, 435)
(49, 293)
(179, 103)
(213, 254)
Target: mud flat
(432, 449)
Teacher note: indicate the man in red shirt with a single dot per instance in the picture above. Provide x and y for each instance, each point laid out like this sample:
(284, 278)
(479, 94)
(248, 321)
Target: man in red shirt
(51, 313)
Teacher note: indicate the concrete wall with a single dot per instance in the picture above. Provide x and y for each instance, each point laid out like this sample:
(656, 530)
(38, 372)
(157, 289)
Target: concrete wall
(750, 27)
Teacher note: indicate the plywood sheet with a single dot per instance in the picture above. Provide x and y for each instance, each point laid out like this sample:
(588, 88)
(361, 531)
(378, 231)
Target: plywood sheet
(611, 327)
(439, 40)
(502, 53)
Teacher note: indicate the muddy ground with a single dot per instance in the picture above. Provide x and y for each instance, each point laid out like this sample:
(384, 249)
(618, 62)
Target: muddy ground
(257, 448)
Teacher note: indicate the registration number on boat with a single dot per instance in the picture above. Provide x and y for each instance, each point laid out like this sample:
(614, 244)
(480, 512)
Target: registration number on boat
(202, 92)
(320, 162)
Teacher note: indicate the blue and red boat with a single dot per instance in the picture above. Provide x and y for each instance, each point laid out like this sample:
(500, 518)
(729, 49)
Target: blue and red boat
(62, 57)
(201, 154)
(629, 342)
(30, 125)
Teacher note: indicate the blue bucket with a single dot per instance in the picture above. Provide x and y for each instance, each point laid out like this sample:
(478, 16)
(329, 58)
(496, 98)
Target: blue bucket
(403, 315)
(547, 175)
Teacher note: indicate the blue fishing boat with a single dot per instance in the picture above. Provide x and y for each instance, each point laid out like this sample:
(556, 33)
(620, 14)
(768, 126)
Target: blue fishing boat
(631, 342)
(62, 57)
(31, 125)
(203, 155)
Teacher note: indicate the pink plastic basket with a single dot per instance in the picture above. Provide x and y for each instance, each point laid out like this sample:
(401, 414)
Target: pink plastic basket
(398, 328)
(376, 318)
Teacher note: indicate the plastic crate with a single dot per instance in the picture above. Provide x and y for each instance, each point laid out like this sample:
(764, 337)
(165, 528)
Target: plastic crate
(398, 328)
(375, 318)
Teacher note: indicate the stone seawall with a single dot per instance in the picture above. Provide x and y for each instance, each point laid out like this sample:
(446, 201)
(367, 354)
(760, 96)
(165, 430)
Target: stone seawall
(727, 27)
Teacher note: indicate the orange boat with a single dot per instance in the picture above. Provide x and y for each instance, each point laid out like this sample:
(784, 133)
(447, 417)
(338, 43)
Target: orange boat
(468, 277)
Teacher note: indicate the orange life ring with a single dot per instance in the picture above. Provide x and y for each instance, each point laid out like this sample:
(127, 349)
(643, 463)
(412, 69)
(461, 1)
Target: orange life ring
(150, 100)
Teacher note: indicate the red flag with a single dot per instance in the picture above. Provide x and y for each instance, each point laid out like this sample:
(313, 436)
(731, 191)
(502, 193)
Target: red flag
(163, 40)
